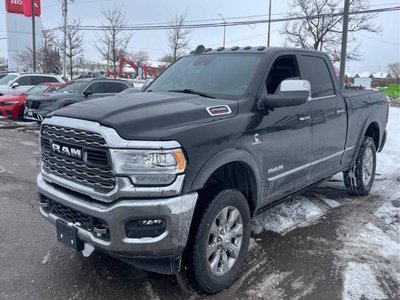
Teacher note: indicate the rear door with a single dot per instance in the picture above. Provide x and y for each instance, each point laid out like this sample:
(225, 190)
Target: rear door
(97, 90)
(113, 88)
(286, 135)
(328, 116)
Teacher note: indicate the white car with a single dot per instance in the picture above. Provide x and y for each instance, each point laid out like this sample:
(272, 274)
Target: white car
(16, 83)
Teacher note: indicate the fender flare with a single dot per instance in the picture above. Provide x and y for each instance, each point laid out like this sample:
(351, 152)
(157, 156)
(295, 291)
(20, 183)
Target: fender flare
(367, 123)
(223, 158)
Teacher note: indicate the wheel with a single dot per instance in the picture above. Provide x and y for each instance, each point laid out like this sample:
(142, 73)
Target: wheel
(360, 177)
(220, 241)
(21, 114)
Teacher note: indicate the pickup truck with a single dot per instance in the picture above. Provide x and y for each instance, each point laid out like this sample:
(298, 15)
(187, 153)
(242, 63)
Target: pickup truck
(169, 179)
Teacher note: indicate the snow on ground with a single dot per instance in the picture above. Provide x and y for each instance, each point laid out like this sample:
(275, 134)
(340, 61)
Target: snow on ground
(370, 256)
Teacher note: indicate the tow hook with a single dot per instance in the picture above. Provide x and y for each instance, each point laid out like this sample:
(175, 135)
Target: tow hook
(87, 250)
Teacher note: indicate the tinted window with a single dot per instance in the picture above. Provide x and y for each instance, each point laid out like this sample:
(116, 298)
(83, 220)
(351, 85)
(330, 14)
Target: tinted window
(74, 87)
(43, 79)
(114, 87)
(219, 75)
(316, 71)
(24, 80)
(96, 88)
(283, 68)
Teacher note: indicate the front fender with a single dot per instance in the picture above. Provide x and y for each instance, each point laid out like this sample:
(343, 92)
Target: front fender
(223, 158)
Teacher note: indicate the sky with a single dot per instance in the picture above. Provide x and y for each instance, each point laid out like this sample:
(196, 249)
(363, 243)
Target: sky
(378, 50)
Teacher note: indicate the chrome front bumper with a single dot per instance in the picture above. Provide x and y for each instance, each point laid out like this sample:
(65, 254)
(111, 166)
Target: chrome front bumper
(176, 211)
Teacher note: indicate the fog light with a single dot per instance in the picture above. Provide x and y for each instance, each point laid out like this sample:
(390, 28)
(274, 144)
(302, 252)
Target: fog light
(145, 228)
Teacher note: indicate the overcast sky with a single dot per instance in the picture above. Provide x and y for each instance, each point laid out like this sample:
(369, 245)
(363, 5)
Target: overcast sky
(378, 50)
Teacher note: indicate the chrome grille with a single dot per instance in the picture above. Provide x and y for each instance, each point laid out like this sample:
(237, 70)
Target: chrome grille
(75, 136)
(94, 171)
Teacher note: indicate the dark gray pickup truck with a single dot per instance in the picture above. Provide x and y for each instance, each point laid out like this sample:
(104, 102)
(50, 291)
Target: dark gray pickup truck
(169, 179)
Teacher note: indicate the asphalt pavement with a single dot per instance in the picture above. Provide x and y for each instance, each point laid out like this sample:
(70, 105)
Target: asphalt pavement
(329, 256)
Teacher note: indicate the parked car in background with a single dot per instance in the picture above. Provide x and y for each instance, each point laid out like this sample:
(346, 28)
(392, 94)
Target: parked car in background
(38, 106)
(12, 106)
(14, 83)
(132, 90)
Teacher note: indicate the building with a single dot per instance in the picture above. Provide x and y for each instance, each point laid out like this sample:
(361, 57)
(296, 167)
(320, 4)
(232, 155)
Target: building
(16, 31)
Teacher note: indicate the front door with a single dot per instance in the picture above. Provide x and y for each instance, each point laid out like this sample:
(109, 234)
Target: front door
(286, 136)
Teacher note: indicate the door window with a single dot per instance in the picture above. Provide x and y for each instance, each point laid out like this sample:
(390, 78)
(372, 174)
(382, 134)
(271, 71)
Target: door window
(96, 88)
(283, 68)
(315, 70)
(114, 87)
(24, 80)
(42, 79)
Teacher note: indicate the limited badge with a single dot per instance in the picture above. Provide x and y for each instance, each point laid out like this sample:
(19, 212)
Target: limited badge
(219, 110)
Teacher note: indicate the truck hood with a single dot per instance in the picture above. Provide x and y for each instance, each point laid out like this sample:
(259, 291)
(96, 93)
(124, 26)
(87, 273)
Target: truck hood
(150, 115)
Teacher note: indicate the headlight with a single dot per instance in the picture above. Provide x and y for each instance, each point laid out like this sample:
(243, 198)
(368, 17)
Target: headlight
(149, 167)
(9, 103)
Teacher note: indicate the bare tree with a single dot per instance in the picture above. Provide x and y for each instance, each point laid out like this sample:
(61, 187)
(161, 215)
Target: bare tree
(48, 59)
(320, 26)
(112, 42)
(178, 40)
(394, 69)
(74, 43)
(167, 58)
(139, 57)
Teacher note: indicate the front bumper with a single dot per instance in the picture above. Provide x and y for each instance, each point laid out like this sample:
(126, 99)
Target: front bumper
(10, 111)
(176, 211)
(35, 114)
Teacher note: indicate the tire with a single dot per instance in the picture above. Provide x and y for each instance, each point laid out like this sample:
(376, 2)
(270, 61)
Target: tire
(21, 115)
(360, 177)
(208, 233)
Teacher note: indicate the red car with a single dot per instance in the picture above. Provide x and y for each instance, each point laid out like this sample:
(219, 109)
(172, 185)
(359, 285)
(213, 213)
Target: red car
(12, 106)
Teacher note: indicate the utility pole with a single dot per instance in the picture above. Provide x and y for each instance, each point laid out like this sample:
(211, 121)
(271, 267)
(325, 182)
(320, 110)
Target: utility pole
(322, 32)
(269, 24)
(33, 36)
(343, 53)
(65, 11)
(224, 28)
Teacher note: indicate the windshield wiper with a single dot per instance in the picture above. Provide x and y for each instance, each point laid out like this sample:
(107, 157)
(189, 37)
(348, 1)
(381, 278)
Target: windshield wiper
(191, 91)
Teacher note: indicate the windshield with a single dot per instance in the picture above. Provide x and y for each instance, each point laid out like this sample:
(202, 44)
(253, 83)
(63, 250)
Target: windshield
(7, 78)
(74, 87)
(40, 88)
(224, 76)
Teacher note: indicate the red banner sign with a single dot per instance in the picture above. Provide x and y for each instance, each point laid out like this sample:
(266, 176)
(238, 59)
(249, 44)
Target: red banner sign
(17, 7)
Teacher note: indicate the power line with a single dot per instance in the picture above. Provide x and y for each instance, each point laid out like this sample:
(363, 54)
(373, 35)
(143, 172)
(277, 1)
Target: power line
(379, 40)
(139, 27)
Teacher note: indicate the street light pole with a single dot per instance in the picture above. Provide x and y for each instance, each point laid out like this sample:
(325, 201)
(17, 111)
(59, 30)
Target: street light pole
(65, 10)
(33, 36)
(269, 24)
(343, 53)
(224, 28)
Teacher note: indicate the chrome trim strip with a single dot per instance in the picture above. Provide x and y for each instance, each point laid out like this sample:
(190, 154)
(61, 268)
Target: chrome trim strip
(323, 97)
(110, 135)
(313, 163)
(316, 162)
(289, 172)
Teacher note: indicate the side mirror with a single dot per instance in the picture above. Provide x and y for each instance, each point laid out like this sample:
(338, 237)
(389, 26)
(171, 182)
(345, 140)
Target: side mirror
(14, 85)
(88, 93)
(290, 93)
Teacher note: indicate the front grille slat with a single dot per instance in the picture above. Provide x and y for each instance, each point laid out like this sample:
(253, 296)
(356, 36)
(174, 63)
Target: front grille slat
(94, 172)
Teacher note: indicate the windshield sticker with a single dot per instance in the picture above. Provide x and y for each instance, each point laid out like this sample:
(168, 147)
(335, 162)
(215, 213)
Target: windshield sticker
(219, 110)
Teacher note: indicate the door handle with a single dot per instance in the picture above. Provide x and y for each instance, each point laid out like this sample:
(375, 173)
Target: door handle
(304, 118)
(340, 111)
